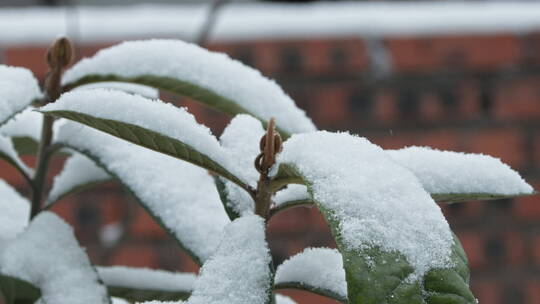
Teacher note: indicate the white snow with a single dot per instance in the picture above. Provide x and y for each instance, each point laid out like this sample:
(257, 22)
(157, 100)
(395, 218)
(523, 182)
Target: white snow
(190, 63)
(132, 88)
(154, 115)
(146, 279)
(119, 301)
(240, 140)
(6, 148)
(47, 255)
(25, 124)
(181, 195)
(444, 172)
(376, 201)
(14, 213)
(281, 299)
(238, 272)
(18, 88)
(41, 25)
(78, 171)
(293, 192)
(321, 268)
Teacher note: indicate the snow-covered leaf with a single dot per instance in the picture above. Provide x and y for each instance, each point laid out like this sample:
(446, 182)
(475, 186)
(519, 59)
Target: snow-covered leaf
(131, 88)
(281, 299)
(181, 197)
(293, 196)
(393, 237)
(187, 69)
(24, 130)
(318, 270)
(239, 271)
(14, 213)
(48, 256)
(18, 89)
(79, 173)
(150, 123)
(454, 176)
(8, 153)
(240, 139)
(143, 284)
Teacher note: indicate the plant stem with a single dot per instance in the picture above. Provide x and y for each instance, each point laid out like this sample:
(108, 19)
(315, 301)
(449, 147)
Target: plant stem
(42, 165)
(263, 197)
(59, 57)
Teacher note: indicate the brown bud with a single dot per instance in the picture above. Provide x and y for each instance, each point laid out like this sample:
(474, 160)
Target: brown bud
(60, 53)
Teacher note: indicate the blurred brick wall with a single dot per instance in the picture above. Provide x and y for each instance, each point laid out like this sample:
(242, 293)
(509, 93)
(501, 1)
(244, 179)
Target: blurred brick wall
(462, 93)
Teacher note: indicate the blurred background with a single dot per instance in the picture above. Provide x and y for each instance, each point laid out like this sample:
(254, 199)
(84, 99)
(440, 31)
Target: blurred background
(462, 76)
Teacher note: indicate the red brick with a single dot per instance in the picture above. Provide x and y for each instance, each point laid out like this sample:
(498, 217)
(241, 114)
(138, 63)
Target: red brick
(32, 58)
(385, 108)
(506, 144)
(330, 105)
(515, 248)
(532, 292)
(135, 256)
(527, 208)
(304, 297)
(536, 152)
(454, 51)
(266, 56)
(473, 245)
(443, 139)
(318, 55)
(144, 225)
(66, 209)
(469, 100)
(431, 108)
(518, 99)
(487, 291)
(536, 250)
(11, 175)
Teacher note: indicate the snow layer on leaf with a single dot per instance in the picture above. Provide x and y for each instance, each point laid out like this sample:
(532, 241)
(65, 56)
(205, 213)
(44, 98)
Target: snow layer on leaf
(454, 172)
(25, 124)
(145, 278)
(213, 71)
(78, 171)
(6, 147)
(18, 88)
(131, 88)
(48, 256)
(238, 272)
(316, 267)
(281, 299)
(154, 115)
(240, 140)
(119, 301)
(181, 195)
(293, 192)
(14, 213)
(376, 201)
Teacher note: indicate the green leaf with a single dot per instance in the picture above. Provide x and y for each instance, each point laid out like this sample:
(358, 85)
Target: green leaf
(150, 139)
(224, 196)
(18, 291)
(25, 145)
(377, 277)
(179, 196)
(313, 289)
(286, 176)
(465, 197)
(188, 70)
(134, 294)
(8, 153)
(79, 173)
